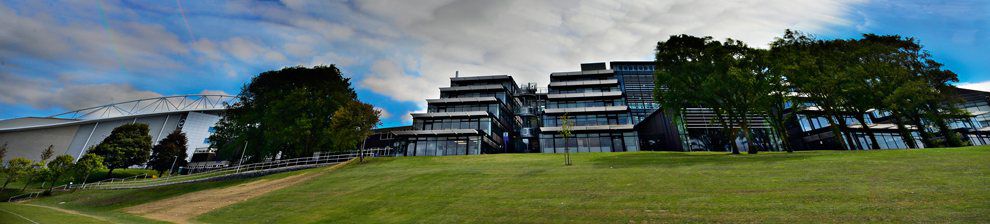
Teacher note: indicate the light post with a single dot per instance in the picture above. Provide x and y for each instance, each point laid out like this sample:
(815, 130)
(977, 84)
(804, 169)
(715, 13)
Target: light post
(239, 161)
(174, 159)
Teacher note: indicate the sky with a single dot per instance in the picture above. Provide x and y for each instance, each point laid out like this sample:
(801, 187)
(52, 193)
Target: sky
(59, 56)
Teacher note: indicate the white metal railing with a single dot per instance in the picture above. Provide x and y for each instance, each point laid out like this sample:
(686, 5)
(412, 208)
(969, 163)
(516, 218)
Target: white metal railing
(275, 165)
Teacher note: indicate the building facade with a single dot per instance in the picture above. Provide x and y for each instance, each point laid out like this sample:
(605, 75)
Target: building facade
(475, 115)
(73, 133)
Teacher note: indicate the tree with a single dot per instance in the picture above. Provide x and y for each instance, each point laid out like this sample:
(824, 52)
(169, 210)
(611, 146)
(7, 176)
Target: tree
(814, 70)
(728, 77)
(35, 172)
(287, 111)
(352, 124)
(47, 153)
(126, 146)
(57, 168)
(86, 165)
(683, 67)
(3, 153)
(168, 152)
(565, 130)
(17, 168)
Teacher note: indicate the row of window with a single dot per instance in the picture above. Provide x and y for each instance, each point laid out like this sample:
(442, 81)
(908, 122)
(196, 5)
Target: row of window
(885, 140)
(590, 142)
(584, 90)
(484, 124)
(588, 119)
(649, 68)
(586, 103)
(443, 146)
(494, 108)
(809, 123)
(499, 95)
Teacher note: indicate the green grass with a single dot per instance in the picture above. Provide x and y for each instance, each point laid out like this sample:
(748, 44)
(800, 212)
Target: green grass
(14, 188)
(108, 203)
(930, 185)
(13, 213)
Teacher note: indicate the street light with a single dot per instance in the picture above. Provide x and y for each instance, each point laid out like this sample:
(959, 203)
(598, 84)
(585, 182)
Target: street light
(174, 159)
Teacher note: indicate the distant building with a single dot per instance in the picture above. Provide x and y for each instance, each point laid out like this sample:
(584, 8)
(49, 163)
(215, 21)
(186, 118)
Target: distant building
(72, 133)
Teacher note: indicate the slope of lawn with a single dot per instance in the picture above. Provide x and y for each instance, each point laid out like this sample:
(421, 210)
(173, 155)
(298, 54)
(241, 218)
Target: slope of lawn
(109, 204)
(13, 213)
(930, 185)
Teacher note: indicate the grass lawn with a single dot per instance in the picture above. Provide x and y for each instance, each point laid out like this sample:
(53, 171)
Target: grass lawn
(12, 213)
(930, 185)
(108, 203)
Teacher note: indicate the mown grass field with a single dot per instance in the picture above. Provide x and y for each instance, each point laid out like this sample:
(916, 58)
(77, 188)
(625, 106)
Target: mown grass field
(930, 185)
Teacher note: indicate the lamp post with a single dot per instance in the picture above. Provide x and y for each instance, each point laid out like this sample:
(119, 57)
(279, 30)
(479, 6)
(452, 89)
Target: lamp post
(174, 159)
(239, 161)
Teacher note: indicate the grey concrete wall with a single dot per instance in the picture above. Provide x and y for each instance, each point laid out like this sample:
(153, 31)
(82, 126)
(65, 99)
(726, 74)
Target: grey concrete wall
(30, 143)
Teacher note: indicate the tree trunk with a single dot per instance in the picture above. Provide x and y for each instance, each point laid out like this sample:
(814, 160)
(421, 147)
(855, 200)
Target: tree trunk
(869, 131)
(749, 137)
(732, 136)
(836, 132)
(848, 135)
(110, 173)
(749, 142)
(26, 183)
(906, 135)
(52, 186)
(926, 138)
(951, 139)
(4, 188)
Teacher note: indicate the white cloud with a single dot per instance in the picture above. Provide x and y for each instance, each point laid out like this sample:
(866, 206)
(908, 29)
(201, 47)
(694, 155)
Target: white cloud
(387, 77)
(384, 113)
(529, 39)
(213, 92)
(41, 94)
(982, 86)
(113, 44)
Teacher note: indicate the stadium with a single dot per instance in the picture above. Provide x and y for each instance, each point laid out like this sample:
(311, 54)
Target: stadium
(75, 131)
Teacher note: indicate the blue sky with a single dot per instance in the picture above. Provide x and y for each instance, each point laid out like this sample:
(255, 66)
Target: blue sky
(57, 56)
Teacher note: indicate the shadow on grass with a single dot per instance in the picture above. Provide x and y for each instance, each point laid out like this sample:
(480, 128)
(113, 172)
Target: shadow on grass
(681, 159)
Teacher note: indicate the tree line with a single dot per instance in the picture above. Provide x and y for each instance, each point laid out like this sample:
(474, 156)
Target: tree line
(127, 145)
(843, 78)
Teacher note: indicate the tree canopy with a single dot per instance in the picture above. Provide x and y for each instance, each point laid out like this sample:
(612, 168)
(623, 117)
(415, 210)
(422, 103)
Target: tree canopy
(288, 111)
(170, 152)
(126, 146)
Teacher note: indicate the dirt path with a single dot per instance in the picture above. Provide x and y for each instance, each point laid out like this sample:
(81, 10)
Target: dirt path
(67, 211)
(182, 208)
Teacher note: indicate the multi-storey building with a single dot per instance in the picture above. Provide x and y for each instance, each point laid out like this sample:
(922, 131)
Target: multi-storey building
(593, 100)
(613, 110)
(474, 115)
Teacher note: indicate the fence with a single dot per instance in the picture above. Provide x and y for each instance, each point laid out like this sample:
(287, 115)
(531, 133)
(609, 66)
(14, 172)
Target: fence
(246, 169)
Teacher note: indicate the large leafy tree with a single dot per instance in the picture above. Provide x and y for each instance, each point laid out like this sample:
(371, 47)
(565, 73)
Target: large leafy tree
(17, 168)
(814, 69)
(684, 66)
(126, 146)
(57, 169)
(169, 152)
(288, 111)
(352, 124)
(729, 77)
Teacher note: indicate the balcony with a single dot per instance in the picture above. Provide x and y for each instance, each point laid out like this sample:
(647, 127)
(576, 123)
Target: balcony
(612, 94)
(576, 110)
(607, 82)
